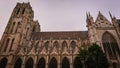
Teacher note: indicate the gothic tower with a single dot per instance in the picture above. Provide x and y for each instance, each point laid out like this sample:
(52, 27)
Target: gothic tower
(91, 29)
(19, 28)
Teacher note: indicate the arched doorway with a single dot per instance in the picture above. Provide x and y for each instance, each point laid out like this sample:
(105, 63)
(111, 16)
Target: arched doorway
(114, 65)
(3, 63)
(29, 63)
(77, 63)
(18, 63)
(53, 63)
(65, 63)
(110, 45)
(41, 63)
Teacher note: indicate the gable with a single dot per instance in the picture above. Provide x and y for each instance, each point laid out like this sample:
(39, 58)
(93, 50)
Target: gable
(102, 21)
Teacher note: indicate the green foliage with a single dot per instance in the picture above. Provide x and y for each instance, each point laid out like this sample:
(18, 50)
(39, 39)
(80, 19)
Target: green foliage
(83, 53)
(93, 57)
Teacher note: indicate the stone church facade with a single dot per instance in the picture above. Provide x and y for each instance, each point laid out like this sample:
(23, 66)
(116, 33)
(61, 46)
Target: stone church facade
(23, 45)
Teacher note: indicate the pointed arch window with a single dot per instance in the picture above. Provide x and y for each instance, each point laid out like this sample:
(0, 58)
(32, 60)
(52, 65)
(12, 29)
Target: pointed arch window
(53, 63)
(6, 45)
(41, 63)
(18, 26)
(12, 28)
(3, 62)
(23, 11)
(64, 44)
(29, 63)
(11, 44)
(110, 45)
(56, 44)
(18, 11)
(33, 29)
(65, 63)
(18, 63)
(46, 45)
(73, 45)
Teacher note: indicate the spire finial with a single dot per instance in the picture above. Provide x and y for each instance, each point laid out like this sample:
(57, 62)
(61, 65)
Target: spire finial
(99, 12)
(87, 15)
(110, 15)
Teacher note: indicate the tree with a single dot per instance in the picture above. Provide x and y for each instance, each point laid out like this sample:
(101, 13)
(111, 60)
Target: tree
(93, 57)
(83, 54)
(98, 56)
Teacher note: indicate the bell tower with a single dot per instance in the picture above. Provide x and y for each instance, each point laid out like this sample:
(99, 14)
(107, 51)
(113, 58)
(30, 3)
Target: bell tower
(19, 28)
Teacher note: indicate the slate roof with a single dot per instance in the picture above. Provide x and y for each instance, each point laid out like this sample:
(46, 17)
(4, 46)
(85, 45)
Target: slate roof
(60, 34)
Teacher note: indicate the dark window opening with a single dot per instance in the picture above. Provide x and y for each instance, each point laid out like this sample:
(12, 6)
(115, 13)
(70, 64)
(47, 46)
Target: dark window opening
(23, 11)
(41, 63)
(12, 27)
(53, 63)
(110, 45)
(18, 11)
(64, 44)
(18, 63)
(3, 63)
(29, 63)
(6, 45)
(65, 63)
(46, 45)
(73, 45)
(11, 44)
(114, 65)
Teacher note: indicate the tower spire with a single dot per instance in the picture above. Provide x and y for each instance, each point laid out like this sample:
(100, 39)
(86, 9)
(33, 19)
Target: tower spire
(87, 15)
(110, 15)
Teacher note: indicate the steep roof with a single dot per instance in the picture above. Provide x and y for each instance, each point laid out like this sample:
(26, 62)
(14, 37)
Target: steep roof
(61, 34)
(101, 17)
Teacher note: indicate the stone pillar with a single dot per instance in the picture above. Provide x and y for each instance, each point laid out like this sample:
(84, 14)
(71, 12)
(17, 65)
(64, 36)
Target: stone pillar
(71, 61)
(9, 62)
(9, 65)
(59, 62)
(71, 65)
(9, 45)
(34, 65)
(23, 64)
(35, 62)
(58, 66)
(46, 66)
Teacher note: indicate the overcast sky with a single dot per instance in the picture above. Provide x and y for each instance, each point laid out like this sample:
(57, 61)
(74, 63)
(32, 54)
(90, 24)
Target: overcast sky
(61, 15)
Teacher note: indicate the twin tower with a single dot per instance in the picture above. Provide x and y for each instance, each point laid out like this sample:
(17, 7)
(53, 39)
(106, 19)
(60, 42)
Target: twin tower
(23, 45)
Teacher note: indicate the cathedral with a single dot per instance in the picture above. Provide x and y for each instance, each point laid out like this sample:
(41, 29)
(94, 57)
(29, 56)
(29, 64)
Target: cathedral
(23, 45)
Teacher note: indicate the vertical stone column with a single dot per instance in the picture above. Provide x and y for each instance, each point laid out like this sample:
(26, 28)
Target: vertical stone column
(23, 64)
(46, 66)
(35, 62)
(9, 62)
(71, 65)
(71, 61)
(58, 61)
(9, 45)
